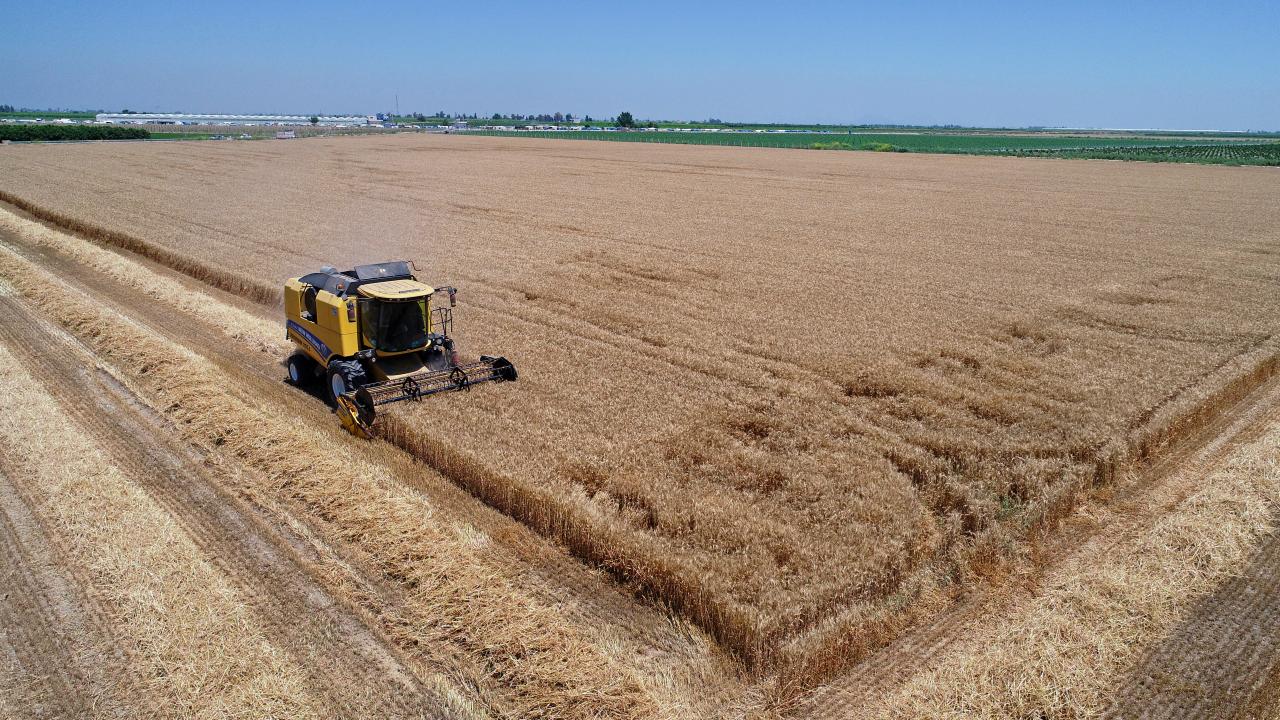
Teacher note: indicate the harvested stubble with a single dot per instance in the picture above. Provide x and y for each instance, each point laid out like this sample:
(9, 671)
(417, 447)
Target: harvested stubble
(785, 392)
(198, 651)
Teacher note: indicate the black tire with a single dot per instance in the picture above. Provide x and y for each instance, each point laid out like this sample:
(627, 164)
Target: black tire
(302, 370)
(352, 374)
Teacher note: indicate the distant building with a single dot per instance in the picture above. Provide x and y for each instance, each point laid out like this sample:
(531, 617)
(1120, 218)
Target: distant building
(196, 119)
(286, 135)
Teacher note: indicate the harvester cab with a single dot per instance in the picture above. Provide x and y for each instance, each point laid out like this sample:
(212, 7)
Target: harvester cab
(377, 335)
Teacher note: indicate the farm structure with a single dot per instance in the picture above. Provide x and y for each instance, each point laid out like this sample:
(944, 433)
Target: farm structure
(206, 119)
(803, 400)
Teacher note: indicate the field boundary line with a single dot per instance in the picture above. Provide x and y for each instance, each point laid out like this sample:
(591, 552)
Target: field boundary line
(827, 650)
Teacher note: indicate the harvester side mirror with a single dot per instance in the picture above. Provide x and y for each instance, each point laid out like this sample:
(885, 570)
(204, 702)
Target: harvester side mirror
(453, 297)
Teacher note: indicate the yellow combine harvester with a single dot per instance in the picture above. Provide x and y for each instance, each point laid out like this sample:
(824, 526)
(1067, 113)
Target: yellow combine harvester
(375, 336)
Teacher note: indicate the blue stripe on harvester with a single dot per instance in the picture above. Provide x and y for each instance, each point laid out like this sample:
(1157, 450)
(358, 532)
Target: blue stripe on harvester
(316, 342)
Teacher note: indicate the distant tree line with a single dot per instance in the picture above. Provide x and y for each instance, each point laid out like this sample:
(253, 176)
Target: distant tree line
(7, 109)
(71, 132)
(541, 117)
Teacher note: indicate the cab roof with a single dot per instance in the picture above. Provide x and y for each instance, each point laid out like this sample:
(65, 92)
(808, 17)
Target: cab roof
(343, 283)
(394, 289)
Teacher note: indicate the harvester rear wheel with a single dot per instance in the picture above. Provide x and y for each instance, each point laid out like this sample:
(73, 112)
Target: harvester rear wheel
(302, 370)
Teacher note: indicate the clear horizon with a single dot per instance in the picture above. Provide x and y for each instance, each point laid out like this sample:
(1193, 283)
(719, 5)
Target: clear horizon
(1089, 66)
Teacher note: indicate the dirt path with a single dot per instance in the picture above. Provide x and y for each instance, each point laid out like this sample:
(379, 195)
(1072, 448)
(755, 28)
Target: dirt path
(349, 664)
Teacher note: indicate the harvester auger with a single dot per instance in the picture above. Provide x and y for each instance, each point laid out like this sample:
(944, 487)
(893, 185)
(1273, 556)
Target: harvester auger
(373, 334)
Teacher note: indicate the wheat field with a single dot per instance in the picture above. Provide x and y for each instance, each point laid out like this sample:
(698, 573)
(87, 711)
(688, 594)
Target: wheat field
(798, 397)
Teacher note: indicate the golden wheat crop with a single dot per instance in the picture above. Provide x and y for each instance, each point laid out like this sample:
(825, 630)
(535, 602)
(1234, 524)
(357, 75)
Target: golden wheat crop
(789, 394)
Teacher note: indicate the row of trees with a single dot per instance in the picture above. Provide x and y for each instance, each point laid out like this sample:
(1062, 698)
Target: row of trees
(543, 117)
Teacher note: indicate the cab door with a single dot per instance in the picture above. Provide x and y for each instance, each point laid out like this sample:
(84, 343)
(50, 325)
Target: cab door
(368, 323)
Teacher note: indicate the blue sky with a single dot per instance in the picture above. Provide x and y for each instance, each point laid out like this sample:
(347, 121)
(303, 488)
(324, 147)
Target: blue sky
(1089, 64)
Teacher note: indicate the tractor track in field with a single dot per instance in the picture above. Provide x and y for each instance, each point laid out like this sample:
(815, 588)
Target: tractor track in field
(58, 647)
(347, 663)
(1181, 468)
(581, 592)
(1222, 661)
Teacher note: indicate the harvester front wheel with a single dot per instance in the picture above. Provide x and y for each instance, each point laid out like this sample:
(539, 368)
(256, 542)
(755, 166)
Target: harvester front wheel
(344, 376)
(302, 370)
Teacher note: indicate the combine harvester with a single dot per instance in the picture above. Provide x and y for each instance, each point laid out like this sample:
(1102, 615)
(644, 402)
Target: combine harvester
(373, 333)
